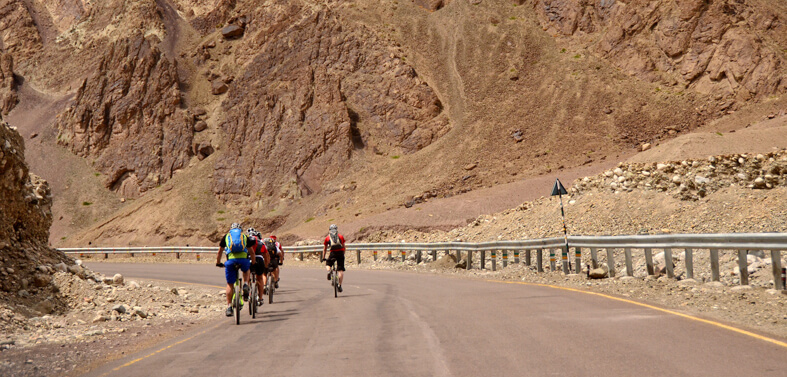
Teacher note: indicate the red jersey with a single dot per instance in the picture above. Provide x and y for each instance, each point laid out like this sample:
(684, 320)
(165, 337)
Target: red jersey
(327, 242)
(260, 247)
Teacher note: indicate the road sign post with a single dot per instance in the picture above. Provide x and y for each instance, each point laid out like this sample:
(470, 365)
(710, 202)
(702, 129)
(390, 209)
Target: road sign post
(558, 190)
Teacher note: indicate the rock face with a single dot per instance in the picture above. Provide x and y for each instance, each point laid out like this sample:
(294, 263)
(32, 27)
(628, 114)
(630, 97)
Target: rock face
(18, 32)
(8, 95)
(299, 115)
(25, 202)
(719, 47)
(128, 118)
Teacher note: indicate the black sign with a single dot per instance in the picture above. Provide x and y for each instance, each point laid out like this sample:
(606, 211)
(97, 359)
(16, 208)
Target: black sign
(558, 189)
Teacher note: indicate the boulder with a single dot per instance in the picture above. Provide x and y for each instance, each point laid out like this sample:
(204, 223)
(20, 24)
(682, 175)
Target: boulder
(218, 87)
(62, 267)
(41, 280)
(117, 279)
(100, 318)
(119, 308)
(232, 31)
(599, 273)
(200, 126)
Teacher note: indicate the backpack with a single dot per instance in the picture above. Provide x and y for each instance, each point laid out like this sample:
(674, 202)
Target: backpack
(336, 243)
(236, 242)
(271, 246)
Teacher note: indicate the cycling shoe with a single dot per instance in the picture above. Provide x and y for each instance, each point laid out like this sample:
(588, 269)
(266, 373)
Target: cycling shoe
(339, 288)
(229, 311)
(245, 292)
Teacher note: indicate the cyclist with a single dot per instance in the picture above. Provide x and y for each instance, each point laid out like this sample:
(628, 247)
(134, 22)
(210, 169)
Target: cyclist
(262, 256)
(237, 247)
(275, 257)
(336, 242)
(280, 253)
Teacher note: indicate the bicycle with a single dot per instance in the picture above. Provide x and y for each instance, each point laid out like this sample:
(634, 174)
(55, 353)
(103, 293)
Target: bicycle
(237, 294)
(334, 278)
(271, 285)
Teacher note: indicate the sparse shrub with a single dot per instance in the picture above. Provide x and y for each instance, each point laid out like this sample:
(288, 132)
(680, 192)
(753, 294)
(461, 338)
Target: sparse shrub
(86, 203)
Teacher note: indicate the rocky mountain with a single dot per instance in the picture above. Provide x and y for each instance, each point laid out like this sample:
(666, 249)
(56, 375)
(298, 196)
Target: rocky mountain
(295, 114)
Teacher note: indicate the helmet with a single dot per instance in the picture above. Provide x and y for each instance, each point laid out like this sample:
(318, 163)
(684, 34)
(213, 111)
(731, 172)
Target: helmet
(333, 227)
(235, 226)
(267, 240)
(251, 231)
(273, 237)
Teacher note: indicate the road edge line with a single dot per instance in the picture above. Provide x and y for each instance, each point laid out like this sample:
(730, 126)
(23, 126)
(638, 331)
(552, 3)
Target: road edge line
(668, 311)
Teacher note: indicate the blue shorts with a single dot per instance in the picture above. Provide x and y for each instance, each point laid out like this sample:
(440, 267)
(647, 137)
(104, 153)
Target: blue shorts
(230, 268)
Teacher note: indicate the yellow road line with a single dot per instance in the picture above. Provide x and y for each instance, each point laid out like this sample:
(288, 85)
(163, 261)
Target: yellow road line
(160, 350)
(713, 323)
(173, 344)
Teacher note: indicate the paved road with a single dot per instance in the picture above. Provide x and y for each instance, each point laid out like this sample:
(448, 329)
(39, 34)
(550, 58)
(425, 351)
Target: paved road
(405, 324)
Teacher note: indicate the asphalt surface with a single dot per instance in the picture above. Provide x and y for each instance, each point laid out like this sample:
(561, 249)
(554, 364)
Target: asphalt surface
(405, 324)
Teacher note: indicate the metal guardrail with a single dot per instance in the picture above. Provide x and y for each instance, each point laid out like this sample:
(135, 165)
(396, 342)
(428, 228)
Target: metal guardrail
(741, 242)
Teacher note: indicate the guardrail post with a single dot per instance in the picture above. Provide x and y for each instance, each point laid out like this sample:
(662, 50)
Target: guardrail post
(469, 260)
(505, 258)
(689, 263)
(404, 255)
(375, 255)
(390, 257)
(434, 255)
(197, 257)
(106, 255)
(743, 266)
(494, 260)
(516, 256)
(776, 264)
(302, 257)
(611, 261)
(177, 255)
(540, 260)
(132, 255)
(483, 259)
(629, 267)
(418, 256)
(527, 258)
(714, 264)
(552, 266)
(358, 253)
(458, 256)
(668, 262)
(649, 261)
(594, 257)
(578, 260)
(564, 259)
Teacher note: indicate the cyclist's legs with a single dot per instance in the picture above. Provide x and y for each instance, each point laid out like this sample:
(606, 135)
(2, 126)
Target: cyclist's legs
(231, 274)
(259, 271)
(340, 267)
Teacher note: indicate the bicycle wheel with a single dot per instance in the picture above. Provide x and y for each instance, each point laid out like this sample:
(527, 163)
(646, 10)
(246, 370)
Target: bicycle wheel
(238, 298)
(335, 281)
(253, 298)
(270, 288)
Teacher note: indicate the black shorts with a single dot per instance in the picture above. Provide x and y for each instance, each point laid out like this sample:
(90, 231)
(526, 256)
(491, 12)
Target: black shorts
(337, 256)
(259, 267)
(274, 263)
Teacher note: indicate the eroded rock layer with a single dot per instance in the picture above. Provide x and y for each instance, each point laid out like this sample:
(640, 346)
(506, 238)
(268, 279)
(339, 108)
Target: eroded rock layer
(298, 115)
(712, 47)
(127, 117)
